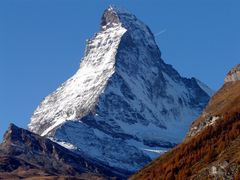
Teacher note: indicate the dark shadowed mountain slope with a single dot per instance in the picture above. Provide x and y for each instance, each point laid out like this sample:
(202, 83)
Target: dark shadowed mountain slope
(24, 154)
(211, 149)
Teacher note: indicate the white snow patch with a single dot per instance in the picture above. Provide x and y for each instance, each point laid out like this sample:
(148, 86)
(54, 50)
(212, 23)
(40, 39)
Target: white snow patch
(64, 144)
(214, 170)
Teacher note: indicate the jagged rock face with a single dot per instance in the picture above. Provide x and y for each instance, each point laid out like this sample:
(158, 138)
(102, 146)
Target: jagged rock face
(24, 151)
(233, 75)
(124, 104)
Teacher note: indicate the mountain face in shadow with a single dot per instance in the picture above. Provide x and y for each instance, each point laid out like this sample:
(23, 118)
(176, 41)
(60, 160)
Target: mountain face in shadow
(211, 149)
(24, 154)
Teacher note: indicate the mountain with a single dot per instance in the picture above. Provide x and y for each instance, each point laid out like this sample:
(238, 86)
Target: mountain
(211, 149)
(125, 105)
(233, 75)
(225, 100)
(24, 154)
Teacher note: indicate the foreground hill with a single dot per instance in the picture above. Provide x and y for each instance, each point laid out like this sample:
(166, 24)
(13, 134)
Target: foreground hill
(211, 149)
(24, 154)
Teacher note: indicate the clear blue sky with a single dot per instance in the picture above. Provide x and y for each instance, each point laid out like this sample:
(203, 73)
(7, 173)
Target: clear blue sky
(42, 42)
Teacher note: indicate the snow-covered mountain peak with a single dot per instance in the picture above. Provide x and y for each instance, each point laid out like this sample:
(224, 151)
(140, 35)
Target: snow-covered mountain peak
(110, 18)
(124, 104)
(233, 74)
(114, 15)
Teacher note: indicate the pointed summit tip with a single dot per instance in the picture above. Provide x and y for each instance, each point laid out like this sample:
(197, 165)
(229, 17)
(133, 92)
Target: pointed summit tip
(113, 16)
(109, 18)
(233, 74)
(110, 7)
(11, 131)
(12, 126)
(118, 10)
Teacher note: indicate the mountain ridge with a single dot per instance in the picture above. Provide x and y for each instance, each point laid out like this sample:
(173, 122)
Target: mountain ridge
(24, 154)
(223, 99)
(212, 146)
(123, 94)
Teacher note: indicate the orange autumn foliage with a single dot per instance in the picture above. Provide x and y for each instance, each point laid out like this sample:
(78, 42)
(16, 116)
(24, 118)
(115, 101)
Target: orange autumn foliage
(189, 157)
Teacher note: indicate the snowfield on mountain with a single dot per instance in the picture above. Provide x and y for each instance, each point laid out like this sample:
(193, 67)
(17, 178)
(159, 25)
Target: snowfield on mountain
(125, 105)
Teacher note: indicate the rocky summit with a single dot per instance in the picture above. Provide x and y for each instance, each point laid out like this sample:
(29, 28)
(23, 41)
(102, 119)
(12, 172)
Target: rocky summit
(233, 75)
(125, 105)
